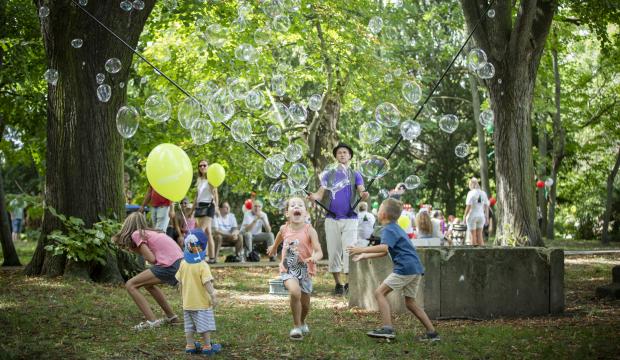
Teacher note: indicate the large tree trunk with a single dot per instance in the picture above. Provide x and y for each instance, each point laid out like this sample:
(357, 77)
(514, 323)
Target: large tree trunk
(482, 146)
(84, 159)
(542, 170)
(610, 187)
(559, 136)
(514, 47)
(8, 249)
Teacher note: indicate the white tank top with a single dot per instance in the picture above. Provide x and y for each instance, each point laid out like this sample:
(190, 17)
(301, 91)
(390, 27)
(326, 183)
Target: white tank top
(204, 191)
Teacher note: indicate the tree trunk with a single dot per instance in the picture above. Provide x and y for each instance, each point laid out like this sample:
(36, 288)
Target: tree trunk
(84, 159)
(610, 187)
(482, 146)
(513, 44)
(542, 170)
(559, 136)
(8, 249)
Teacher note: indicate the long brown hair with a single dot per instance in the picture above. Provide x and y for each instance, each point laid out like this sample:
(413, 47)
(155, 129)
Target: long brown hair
(199, 174)
(423, 222)
(135, 222)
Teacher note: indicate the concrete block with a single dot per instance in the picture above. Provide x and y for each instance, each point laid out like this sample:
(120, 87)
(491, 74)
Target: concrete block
(556, 281)
(426, 242)
(615, 274)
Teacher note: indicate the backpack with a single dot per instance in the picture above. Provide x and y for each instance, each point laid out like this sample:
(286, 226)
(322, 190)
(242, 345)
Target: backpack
(253, 256)
(232, 259)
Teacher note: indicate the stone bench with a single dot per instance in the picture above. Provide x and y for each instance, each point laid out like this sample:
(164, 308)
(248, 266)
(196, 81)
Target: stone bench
(472, 282)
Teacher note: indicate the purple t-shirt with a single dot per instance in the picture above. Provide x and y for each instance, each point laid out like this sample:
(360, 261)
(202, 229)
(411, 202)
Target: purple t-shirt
(341, 205)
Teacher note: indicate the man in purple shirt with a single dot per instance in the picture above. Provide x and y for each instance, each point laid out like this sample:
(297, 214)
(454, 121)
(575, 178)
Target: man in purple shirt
(341, 221)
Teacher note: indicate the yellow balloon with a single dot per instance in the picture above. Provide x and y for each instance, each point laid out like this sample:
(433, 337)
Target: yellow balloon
(169, 171)
(216, 174)
(404, 222)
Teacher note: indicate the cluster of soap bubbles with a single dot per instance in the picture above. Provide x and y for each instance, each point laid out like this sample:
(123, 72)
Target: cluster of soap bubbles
(477, 62)
(334, 178)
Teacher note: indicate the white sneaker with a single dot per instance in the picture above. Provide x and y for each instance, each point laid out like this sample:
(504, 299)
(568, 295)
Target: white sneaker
(148, 325)
(296, 334)
(305, 329)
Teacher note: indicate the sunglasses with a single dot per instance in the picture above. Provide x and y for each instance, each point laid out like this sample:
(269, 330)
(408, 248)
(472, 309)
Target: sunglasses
(201, 166)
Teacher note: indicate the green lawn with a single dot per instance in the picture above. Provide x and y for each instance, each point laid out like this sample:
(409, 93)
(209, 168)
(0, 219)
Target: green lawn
(54, 318)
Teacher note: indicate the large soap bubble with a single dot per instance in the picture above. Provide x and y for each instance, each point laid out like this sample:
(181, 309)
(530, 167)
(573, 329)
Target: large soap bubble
(279, 193)
(279, 112)
(315, 102)
(293, 152)
(216, 35)
(370, 132)
(158, 108)
(273, 165)
(51, 76)
(44, 12)
(254, 99)
(375, 25)
(189, 110)
(412, 182)
(334, 178)
(77, 43)
(491, 13)
(127, 121)
(486, 117)
(113, 65)
(298, 176)
(374, 167)
(278, 84)
(476, 59)
(274, 133)
(411, 92)
(104, 92)
(448, 123)
(297, 113)
(201, 131)
(387, 114)
(461, 150)
(138, 4)
(356, 104)
(100, 78)
(241, 130)
(262, 36)
(281, 23)
(410, 129)
(126, 5)
(246, 52)
(487, 71)
(237, 88)
(221, 107)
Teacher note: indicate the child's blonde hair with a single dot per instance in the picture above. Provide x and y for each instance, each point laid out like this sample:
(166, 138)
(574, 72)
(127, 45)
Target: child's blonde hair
(423, 222)
(134, 222)
(392, 208)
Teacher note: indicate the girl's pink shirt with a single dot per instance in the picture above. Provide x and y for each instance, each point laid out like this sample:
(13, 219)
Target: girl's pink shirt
(304, 247)
(166, 250)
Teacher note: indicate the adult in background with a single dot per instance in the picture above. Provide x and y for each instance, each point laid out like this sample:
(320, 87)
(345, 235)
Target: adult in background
(341, 221)
(17, 218)
(160, 208)
(438, 225)
(365, 224)
(252, 227)
(423, 225)
(226, 231)
(476, 212)
(205, 207)
(181, 222)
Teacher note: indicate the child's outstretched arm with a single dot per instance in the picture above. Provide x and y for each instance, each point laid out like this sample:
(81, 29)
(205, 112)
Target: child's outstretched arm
(369, 252)
(273, 249)
(211, 290)
(317, 253)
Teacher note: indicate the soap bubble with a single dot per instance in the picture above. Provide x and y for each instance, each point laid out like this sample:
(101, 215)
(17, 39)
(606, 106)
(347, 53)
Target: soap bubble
(374, 167)
(410, 129)
(170, 4)
(412, 182)
(384, 194)
(279, 112)
(246, 52)
(461, 150)
(100, 78)
(298, 176)
(261, 36)
(121, 84)
(158, 108)
(83, 2)
(486, 117)
(138, 4)
(549, 182)
(113, 65)
(334, 178)
(254, 99)
(292, 5)
(274, 133)
(271, 8)
(375, 24)
(279, 193)
(297, 113)
(487, 71)
(237, 88)
(221, 107)
(241, 130)
(104, 93)
(387, 114)
(77, 43)
(51, 76)
(491, 13)
(126, 5)
(127, 121)
(273, 165)
(243, 10)
(411, 92)
(278, 84)
(315, 102)
(388, 78)
(356, 104)
(476, 59)
(216, 35)
(189, 110)
(293, 152)
(448, 123)
(370, 132)
(281, 23)
(201, 131)
(44, 12)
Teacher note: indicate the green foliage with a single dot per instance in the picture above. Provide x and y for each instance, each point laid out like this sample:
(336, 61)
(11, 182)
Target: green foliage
(81, 244)
(510, 238)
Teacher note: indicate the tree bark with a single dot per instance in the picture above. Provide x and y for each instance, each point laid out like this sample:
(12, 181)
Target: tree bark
(8, 249)
(542, 170)
(84, 159)
(482, 146)
(610, 187)
(514, 46)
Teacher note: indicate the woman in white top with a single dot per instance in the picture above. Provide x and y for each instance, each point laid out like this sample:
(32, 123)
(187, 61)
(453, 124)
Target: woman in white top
(476, 212)
(205, 206)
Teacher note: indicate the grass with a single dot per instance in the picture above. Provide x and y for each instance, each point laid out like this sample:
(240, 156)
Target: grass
(72, 319)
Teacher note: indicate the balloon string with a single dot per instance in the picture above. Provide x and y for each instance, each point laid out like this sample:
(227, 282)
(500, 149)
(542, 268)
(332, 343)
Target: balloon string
(184, 218)
(400, 138)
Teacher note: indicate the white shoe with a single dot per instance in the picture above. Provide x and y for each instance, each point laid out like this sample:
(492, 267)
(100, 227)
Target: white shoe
(296, 334)
(148, 325)
(305, 329)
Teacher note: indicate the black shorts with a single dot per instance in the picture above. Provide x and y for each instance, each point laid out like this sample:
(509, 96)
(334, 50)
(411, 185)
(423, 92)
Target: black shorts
(201, 212)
